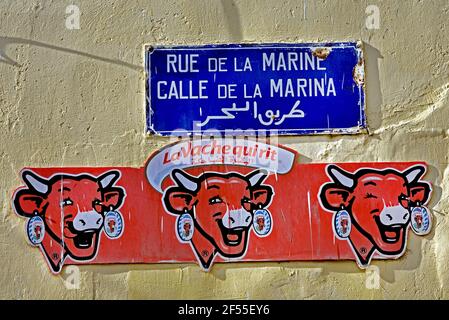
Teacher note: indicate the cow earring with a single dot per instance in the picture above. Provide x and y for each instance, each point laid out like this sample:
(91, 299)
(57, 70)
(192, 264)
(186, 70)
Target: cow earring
(185, 227)
(113, 224)
(262, 222)
(420, 220)
(35, 229)
(342, 224)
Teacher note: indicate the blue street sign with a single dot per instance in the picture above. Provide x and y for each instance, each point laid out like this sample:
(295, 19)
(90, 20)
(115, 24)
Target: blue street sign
(309, 88)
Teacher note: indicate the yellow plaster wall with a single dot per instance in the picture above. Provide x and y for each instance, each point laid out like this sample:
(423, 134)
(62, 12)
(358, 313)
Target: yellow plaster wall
(76, 98)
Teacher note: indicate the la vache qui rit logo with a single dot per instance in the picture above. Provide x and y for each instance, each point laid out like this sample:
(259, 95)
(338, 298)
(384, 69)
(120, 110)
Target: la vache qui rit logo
(224, 201)
(373, 207)
(217, 209)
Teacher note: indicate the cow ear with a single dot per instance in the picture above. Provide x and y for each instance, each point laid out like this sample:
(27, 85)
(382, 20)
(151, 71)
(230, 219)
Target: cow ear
(27, 203)
(113, 197)
(419, 192)
(178, 200)
(261, 195)
(334, 197)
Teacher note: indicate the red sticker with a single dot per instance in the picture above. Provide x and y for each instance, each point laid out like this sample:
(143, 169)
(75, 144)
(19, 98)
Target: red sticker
(224, 200)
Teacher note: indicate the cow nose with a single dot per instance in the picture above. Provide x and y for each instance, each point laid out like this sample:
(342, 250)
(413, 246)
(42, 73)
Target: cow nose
(87, 220)
(236, 218)
(394, 215)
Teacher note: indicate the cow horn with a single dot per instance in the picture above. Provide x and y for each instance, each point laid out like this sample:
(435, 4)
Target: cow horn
(35, 182)
(184, 180)
(340, 176)
(413, 174)
(257, 177)
(108, 179)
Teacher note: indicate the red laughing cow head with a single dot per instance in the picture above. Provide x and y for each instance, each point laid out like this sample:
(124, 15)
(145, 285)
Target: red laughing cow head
(379, 204)
(72, 208)
(222, 206)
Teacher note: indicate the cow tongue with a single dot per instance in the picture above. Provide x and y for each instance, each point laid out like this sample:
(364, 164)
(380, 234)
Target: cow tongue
(391, 234)
(232, 237)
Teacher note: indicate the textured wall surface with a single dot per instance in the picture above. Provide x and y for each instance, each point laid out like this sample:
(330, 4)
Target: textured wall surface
(76, 98)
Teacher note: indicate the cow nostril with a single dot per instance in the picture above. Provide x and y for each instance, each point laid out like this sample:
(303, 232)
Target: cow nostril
(405, 216)
(99, 220)
(231, 219)
(83, 222)
(389, 216)
(247, 219)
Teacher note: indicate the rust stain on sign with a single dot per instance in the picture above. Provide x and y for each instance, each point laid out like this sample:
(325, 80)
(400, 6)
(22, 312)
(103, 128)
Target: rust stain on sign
(358, 73)
(321, 53)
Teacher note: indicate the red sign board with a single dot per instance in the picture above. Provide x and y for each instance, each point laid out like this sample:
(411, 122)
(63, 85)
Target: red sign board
(217, 201)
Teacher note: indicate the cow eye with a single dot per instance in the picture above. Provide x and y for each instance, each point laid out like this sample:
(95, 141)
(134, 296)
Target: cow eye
(246, 203)
(370, 195)
(403, 197)
(215, 200)
(97, 205)
(66, 202)
(404, 200)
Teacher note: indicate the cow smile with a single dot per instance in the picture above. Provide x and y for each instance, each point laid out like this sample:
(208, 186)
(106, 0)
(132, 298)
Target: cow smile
(389, 233)
(84, 239)
(231, 236)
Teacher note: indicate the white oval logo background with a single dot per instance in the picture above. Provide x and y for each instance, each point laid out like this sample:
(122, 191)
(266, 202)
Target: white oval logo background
(262, 223)
(420, 220)
(113, 224)
(185, 227)
(342, 230)
(35, 230)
